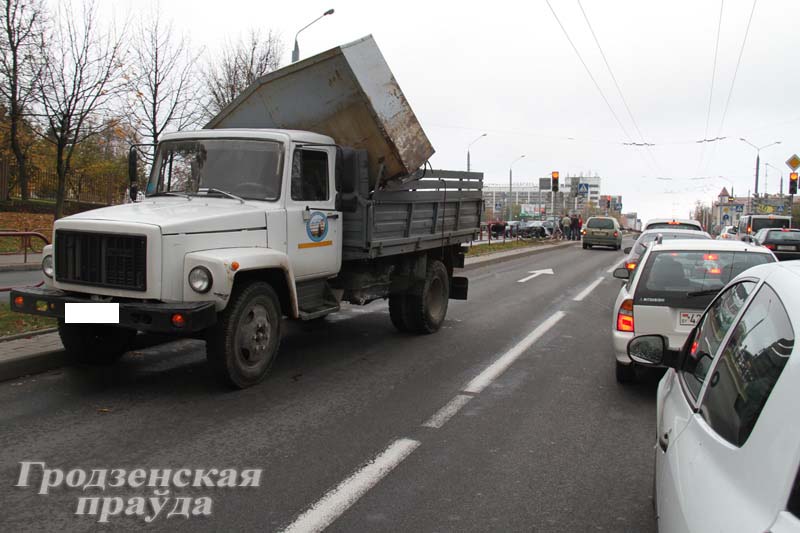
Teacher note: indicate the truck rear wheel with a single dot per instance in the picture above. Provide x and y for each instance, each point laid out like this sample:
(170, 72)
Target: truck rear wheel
(96, 344)
(398, 312)
(426, 308)
(242, 345)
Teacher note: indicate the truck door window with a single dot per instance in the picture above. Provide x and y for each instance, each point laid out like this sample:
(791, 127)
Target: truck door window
(310, 176)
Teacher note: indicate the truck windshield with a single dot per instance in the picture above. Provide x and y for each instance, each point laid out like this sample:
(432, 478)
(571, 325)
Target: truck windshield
(247, 168)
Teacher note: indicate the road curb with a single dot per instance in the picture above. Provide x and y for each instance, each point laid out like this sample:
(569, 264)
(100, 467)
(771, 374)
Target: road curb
(20, 267)
(27, 334)
(32, 364)
(500, 257)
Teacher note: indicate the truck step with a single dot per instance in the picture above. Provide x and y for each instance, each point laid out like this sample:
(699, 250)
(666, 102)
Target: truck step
(311, 314)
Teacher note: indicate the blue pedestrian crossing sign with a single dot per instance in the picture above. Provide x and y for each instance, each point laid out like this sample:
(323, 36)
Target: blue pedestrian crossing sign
(583, 188)
(779, 209)
(498, 206)
(725, 216)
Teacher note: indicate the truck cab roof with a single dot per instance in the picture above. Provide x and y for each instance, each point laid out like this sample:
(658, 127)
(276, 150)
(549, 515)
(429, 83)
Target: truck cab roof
(297, 136)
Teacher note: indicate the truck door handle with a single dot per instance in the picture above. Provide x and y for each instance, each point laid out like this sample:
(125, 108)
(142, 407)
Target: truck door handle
(663, 441)
(332, 216)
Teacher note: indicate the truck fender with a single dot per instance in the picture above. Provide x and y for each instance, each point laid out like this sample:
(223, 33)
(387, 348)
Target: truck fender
(221, 264)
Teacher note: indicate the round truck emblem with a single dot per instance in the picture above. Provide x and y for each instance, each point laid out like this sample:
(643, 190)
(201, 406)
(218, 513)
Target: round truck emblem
(317, 226)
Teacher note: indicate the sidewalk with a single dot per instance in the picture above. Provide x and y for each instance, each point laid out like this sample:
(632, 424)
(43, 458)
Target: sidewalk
(30, 355)
(16, 262)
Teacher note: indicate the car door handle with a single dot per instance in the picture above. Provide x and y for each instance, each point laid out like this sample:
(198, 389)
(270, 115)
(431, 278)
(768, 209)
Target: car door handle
(663, 441)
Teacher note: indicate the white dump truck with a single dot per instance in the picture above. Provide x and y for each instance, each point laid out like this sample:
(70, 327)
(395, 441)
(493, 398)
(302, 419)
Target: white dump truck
(307, 191)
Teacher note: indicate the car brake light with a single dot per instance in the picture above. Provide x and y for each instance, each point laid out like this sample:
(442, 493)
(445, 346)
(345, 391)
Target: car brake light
(616, 234)
(711, 257)
(769, 246)
(749, 229)
(673, 223)
(625, 316)
(694, 348)
(784, 229)
(631, 265)
(715, 270)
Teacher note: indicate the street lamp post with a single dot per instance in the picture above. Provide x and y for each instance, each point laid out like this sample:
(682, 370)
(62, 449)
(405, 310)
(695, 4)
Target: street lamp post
(482, 135)
(296, 51)
(510, 186)
(758, 159)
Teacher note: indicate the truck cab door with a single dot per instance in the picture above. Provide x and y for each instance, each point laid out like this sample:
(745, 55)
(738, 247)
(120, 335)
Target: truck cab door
(313, 224)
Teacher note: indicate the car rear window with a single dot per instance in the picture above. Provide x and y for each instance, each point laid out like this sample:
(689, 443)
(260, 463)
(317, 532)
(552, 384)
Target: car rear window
(691, 278)
(600, 223)
(761, 223)
(783, 236)
(644, 240)
(672, 225)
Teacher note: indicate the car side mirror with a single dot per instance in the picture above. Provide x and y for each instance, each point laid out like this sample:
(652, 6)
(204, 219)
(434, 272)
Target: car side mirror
(622, 273)
(627, 250)
(647, 350)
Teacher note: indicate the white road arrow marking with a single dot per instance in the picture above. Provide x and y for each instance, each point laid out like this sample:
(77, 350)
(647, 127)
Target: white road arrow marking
(535, 274)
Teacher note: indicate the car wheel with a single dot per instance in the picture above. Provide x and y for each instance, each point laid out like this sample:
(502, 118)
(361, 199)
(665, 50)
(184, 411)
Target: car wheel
(625, 373)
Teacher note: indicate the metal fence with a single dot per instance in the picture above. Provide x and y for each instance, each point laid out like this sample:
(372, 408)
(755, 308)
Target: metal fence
(43, 184)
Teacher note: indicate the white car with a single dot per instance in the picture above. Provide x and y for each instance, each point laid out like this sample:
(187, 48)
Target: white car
(667, 292)
(728, 428)
(673, 223)
(727, 232)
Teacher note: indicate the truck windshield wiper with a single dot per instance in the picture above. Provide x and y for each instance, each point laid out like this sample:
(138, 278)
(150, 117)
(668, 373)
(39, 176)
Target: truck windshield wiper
(702, 293)
(170, 193)
(225, 193)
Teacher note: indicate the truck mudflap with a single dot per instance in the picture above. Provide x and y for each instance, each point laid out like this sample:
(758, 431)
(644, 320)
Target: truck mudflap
(459, 286)
(154, 317)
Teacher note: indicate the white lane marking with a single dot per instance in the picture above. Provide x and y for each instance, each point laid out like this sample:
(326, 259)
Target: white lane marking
(535, 274)
(337, 501)
(444, 414)
(490, 373)
(585, 292)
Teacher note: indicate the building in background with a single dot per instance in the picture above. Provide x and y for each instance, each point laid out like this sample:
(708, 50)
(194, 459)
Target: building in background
(580, 194)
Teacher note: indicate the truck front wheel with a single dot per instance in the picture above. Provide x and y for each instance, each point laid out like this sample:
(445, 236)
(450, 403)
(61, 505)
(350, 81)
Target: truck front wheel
(241, 347)
(426, 307)
(96, 344)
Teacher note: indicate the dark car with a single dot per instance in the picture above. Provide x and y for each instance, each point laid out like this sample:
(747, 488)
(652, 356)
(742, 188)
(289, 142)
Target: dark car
(784, 242)
(533, 229)
(636, 251)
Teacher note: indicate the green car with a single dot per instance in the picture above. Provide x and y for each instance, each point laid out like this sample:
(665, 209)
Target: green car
(602, 231)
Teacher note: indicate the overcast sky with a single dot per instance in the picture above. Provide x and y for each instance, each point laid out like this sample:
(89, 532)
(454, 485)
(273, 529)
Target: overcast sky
(507, 69)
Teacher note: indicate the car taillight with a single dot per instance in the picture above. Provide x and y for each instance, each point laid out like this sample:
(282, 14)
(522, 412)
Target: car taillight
(583, 232)
(616, 234)
(694, 348)
(625, 316)
(749, 229)
(769, 246)
(711, 257)
(715, 270)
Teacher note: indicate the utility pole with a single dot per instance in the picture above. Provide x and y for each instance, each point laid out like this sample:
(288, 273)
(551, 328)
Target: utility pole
(510, 185)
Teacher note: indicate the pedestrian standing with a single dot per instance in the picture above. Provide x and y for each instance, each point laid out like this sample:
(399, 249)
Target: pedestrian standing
(565, 226)
(573, 225)
(580, 226)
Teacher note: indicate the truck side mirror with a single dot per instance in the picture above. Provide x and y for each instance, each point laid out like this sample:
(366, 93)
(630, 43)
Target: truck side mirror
(133, 174)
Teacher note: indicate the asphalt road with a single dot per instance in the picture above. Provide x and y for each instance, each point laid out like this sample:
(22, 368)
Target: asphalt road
(349, 428)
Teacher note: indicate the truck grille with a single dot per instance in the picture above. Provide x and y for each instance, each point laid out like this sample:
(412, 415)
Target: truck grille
(101, 259)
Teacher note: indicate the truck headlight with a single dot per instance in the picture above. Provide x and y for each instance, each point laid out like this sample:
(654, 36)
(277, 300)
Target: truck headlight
(200, 279)
(47, 266)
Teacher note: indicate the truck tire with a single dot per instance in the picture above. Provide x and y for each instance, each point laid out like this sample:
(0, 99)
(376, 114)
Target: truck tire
(95, 344)
(398, 312)
(426, 307)
(242, 345)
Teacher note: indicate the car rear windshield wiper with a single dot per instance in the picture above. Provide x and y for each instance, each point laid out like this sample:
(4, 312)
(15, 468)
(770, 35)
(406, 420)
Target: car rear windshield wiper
(170, 193)
(225, 193)
(702, 293)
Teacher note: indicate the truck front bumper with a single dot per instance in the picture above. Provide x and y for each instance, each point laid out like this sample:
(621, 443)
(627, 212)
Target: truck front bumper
(143, 316)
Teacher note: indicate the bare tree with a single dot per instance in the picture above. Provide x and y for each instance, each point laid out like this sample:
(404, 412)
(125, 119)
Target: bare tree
(20, 66)
(240, 65)
(82, 78)
(166, 86)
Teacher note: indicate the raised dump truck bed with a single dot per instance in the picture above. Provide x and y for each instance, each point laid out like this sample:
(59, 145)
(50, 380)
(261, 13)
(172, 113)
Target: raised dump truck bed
(347, 93)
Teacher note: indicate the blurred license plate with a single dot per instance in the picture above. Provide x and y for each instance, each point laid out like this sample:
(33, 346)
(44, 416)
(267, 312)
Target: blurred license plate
(687, 318)
(784, 247)
(91, 313)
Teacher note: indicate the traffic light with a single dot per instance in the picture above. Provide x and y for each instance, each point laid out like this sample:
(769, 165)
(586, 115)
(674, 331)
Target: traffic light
(554, 186)
(793, 183)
